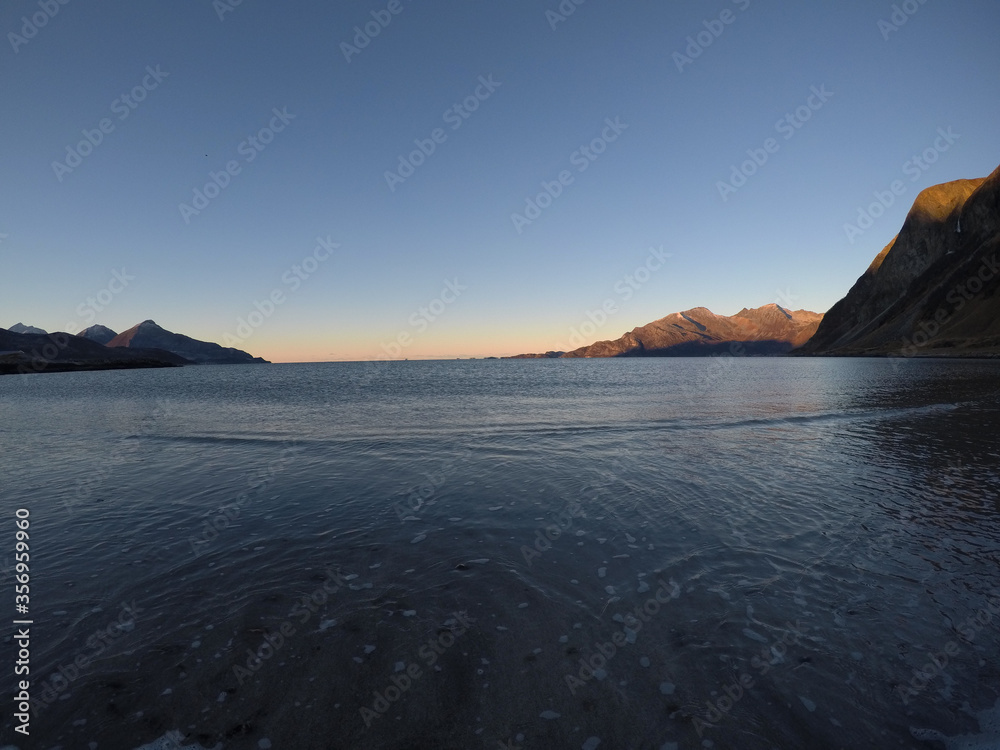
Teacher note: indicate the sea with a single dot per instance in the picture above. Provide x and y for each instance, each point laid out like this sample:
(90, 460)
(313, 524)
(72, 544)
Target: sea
(516, 554)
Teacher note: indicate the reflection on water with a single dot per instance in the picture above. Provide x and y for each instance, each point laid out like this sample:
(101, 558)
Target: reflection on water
(623, 553)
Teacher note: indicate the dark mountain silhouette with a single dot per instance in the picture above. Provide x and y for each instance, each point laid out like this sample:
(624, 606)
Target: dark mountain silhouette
(62, 352)
(22, 328)
(148, 335)
(100, 334)
(767, 330)
(934, 289)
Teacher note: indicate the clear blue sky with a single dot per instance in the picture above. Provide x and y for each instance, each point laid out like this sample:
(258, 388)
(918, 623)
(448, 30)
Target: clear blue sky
(323, 175)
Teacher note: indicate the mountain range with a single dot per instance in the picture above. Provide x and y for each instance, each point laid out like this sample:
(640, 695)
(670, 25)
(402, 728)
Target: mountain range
(26, 349)
(767, 330)
(61, 352)
(933, 291)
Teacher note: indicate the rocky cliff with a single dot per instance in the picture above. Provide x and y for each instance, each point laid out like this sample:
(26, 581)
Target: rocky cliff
(933, 290)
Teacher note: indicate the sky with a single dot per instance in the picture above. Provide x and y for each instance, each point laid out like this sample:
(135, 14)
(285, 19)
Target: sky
(355, 180)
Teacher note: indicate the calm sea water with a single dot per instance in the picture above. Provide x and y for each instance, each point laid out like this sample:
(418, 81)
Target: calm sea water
(676, 553)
